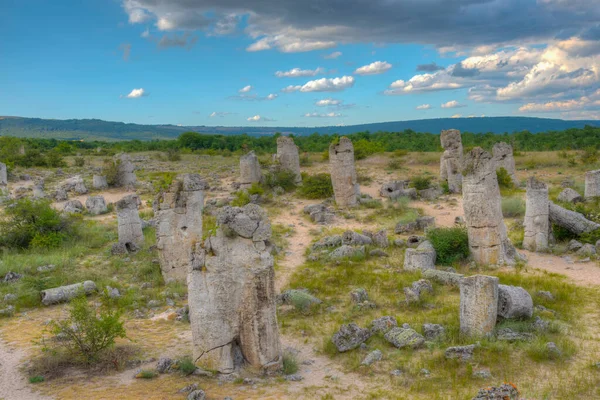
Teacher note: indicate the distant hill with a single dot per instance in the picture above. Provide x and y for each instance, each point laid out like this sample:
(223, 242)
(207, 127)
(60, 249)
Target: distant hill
(90, 129)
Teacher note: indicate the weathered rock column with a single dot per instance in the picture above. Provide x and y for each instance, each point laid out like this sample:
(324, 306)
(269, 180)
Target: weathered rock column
(451, 160)
(130, 224)
(537, 222)
(288, 157)
(488, 239)
(478, 304)
(3, 175)
(179, 225)
(231, 295)
(125, 171)
(343, 173)
(592, 184)
(249, 170)
(99, 182)
(503, 157)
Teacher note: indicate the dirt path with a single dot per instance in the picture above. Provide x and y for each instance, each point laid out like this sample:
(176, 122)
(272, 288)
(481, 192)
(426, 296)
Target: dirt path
(13, 385)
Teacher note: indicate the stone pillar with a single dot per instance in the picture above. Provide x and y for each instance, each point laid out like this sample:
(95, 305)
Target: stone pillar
(179, 225)
(537, 222)
(288, 157)
(3, 175)
(478, 305)
(99, 182)
(343, 173)
(130, 224)
(249, 170)
(451, 160)
(231, 295)
(592, 184)
(125, 171)
(488, 239)
(503, 157)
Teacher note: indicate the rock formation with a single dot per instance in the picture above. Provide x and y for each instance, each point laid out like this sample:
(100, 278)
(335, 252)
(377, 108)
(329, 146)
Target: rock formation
(343, 173)
(572, 221)
(74, 184)
(65, 293)
(395, 189)
(537, 223)
(569, 195)
(96, 205)
(129, 222)
(249, 170)
(421, 258)
(3, 175)
(503, 158)
(99, 182)
(478, 305)
(73, 206)
(514, 302)
(288, 157)
(179, 225)
(592, 184)
(451, 161)
(488, 239)
(125, 171)
(232, 300)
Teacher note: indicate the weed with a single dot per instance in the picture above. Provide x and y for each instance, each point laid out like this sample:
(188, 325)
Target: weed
(147, 374)
(290, 364)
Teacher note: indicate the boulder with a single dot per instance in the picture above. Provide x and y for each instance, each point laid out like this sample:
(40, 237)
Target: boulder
(421, 258)
(383, 324)
(463, 353)
(572, 221)
(99, 182)
(443, 277)
(404, 337)
(73, 206)
(129, 222)
(347, 251)
(63, 294)
(514, 302)
(352, 238)
(250, 170)
(349, 337)
(433, 332)
(96, 205)
(569, 195)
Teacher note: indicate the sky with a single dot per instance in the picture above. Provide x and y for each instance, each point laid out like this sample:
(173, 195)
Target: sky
(298, 63)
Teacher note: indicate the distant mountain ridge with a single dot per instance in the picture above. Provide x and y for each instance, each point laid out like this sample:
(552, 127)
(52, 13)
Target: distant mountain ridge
(90, 129)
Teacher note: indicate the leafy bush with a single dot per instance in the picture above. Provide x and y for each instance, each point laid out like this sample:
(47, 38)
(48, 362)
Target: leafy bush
(79, 161)
(36, 379)
(87, 331)
(504, 178)
(316, 186)
(28, 223)
(147, 374)
(450, 244)
(421, 182)
(284, 178)
(513, 207)
(364, 148)
(55, 159)
(256, 189)
(241, 198)
(589, 156)
(173, 155)
(186, 365)
(290, 364)
(111, 171)
(394, 163)
(305, 160)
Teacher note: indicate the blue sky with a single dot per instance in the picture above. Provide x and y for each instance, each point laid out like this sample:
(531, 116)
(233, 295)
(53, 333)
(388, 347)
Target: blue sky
(187, 62)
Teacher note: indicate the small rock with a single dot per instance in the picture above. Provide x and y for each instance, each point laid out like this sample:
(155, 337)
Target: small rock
(293, 378)
(164, 365)
(553, 350)
(170, 302)
(46, 268)
(113, 293)
(7, 312)
(433, 332)
(154, 304)
(396, 372)
(197, 395)
(425, 372)
(202, 372)
(374, 356)
(574, 245)
(540, 324)
(378, 253)
(463, 353)
(509, 335)
(12, 277)
(359, 295)
(505, 391)
(586, 250)
(545, 294)
(10, 297)
(349, 337)
(188, 388)
(482, 374)
(401, 337)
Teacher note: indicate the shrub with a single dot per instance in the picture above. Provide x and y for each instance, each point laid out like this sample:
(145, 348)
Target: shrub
(316, 186)
(284, 178)
(450, 244)
(111, 171)
(79, 161)
(241, 198)
(146, 374)
(256, 189)
(55, 159)
(400, 153)
(421, 182)
(305, 160)
(589, 156)
(394, 163)
(186, 365)
(173, 155)
(504, 178)
(513, 207)
(34, 222)
(364, 148)
(36, 379)
(89, 332)
(325, 155)
(290, 364)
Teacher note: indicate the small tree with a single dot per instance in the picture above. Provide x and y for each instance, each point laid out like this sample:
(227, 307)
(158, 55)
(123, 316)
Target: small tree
(504, 178)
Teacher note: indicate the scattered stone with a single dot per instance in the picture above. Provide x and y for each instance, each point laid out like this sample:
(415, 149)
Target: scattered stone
(451, 160)
(99, 182)
(574, 245)
(347, 251)
(422, 258)
(545, 294)
(433, 332)
(74, 184)
(125, 171)
(380, 239)
(541, 325)
(383, 324)
(96, 205)
(10, 297)
(431, 193)
(320, 213)
(399, 242)
(482, 374)
(569, 195)
(478, 304)
(197, 395)
(425, 371)
(514, 302)
(405, 227)
(327, 242)
(61, 195)
(250, 170)
(459, 220)
(359, 295)
(300, 299)
(372, 357)
(378, 253)
(401, 338)
(573, 221)
(63, 294)
(443, 277)
(164, 365)
(414, 241)
(293, 378)
(586, 250)
(188, 388)
(350, 337)
(352, 238)
(537, 222)
(505, 391)
(343, 173)
(462, 353)
(113, 293)
(553, 350)
(46, 268)
(509, 335)
(413, 293)
(396, 372)
(7, 312)
(129, 222)
(73, 207)
(11, 277)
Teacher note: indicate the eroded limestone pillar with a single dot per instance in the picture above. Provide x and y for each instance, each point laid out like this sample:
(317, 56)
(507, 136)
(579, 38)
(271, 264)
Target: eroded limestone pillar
(592, 184)
(249, 170)
(451, 160)
(3, 175)
(503, 157)
(125, 171)
(288, 157)
(488, 239)
(537, 222)
(231, 295)
(130, 224)
(478, 305)
(343, 173)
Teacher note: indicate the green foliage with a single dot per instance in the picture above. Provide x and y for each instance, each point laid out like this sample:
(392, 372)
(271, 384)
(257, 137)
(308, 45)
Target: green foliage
(256, 189)
(363, 148)
(283, 178)
(186, 365)
(242, 197)
(111, 171)
(79, 161)
(89, 332)
(394, 164)
(305, 160)
(290, 364)
(161, 181)
(450, 244)
(36, 379)
(589, 155)
(173, 155)
(504, 178)
(316, 186)
(147, 374)
(421, 182)
(55, 159)
(513, 207)
(28, 223)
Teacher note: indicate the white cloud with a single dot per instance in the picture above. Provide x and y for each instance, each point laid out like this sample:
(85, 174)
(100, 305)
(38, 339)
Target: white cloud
(136, 93)
(424, 107)
(377, 67)
(258, 118)
(452, 104)
(245, 89)
(326, 115)
(323, 85)
(297, 72)
(289, 44)
(456, 116)
(328, 102)
(219, 114)
(271, 96)
(333, 55)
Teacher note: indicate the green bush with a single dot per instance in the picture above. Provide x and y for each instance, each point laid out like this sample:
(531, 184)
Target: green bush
(394, 163)
(147, 374)
(364, 148)
(316, 186)
(305, 160)
(241, 198)
(111, 171)
(186, 365)
(55, 159)
(504, 178)
(290, 364)
(256, 189)
(79, 161)
(283, 178)
(421, 182)
(36, 379)
(513, 207)
(173, 155)
(28, 223)
(589, 156)
(89, 332)
(450, 244)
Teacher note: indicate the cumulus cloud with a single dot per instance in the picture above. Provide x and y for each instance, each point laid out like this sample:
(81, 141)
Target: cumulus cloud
(424, 107)
(136, 93)
(245, 89)
(271, 96)
(431, 67)
(377, 67)
(257, 118)
(325, 115)
(332, 56)
(297, 72)
(328, 102)
(452, 104)
(323, 85)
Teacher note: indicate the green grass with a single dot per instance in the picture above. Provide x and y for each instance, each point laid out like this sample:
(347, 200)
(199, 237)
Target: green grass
(147, 374)
(290, 364)
(36, 379)
(513, 207)
(186, 365)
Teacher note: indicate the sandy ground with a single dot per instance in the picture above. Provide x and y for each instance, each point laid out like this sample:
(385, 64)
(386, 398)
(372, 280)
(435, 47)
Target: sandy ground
(13, 385)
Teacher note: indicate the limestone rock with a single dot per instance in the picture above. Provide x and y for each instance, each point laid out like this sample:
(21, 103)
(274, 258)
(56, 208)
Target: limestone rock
(249, 170)
(374, 356)
(300, 299)
(352, 238)
(413, 292)
(343, 173)
(488, 239)
(451, 160)
(288, 157)
(404, 337)
(574, 245)
(505, 391)
(359, 295)
(421, 258)
(327, 242)
(3, 175)
(509, 335)
(231, 295)
(478, 305)
(433, 331)
(129, 223)
(463, 353)
(125, 171)
(65, 293)
(444, 277)
(571, 220)
(503, 158)
(349, 337)
(74, 184)
(99, 182)
(380, 239)
(431, 193)
(537, 222)
(592, 184)
(396, 189)
(61, 195)
(586, 250)
(38, 191)
(179, 225)
(96, 205)
(514, 302)
(347, 251)
(569, 195)
(320, 213)
(383, 324)
(197, 394)
(73, 206)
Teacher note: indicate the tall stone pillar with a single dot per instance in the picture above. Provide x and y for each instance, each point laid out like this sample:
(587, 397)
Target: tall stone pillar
(451, 160)
(478, 305)
(503, 157)
(125, 171)
(537, 222)
(130, 224)
(3, 175)
(249, 170)
(343, 173)
(288, 157)
(592, 184)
